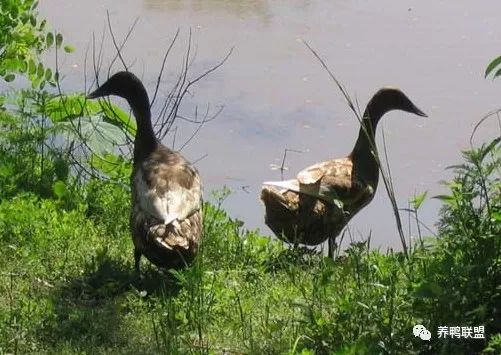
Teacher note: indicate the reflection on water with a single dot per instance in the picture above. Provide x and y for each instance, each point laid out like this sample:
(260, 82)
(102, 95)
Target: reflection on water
(258, 8)
(276, 95)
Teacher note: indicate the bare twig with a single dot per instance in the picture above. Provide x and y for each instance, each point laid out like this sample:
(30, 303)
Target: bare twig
(164, 60)
(282, 166)
(199, 159)
(117, 47)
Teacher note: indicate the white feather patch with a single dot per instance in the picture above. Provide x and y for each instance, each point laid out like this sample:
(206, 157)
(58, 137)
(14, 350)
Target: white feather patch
(176, 204)
(291, 185)
(322, 191)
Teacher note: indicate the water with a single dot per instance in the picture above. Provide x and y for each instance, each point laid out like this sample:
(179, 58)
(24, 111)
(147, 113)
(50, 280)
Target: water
(276, 95)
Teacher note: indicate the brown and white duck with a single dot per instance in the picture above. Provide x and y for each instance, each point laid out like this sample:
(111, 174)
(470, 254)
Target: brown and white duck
(166, 211)
(322, 199)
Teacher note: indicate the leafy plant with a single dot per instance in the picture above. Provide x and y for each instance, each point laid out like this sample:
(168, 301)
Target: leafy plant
(460, 282)
(23, 37)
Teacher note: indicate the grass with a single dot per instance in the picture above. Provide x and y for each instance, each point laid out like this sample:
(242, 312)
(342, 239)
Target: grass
(67, 282)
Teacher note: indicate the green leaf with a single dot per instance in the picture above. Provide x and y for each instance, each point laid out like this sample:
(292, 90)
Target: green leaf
(100, 136)
(64, 108)
(428, 290)
(59, 188)
(492, 65)
(9, 77)
(110, 164)
(447, 199)
(69, 49)
(23, 66)
(49, 39)
(418, 200)
(32, 67)
(363, 305)
(120, 118)
(61, 169)
(40, 70)
(48, 74)
(14, 12)
(490, 147)
(59, 40)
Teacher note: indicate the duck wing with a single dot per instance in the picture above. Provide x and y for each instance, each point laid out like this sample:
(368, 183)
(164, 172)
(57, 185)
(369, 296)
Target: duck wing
(331, 181)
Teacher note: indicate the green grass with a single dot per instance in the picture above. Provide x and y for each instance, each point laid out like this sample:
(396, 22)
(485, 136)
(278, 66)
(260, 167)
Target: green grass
(67, 283)
(68, 286)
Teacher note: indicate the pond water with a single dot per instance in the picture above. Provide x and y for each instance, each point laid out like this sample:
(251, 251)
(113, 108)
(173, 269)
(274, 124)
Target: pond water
(276, 95)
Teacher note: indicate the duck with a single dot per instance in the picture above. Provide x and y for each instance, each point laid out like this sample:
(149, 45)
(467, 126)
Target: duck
(324, 197)
(166, 218)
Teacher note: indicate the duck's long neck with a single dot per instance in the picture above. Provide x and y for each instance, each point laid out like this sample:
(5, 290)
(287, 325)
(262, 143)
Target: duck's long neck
(145, 141)
(364, 162)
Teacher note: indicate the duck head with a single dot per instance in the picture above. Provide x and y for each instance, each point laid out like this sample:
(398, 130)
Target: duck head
(385, 100)
(126, 85)
(389, 99)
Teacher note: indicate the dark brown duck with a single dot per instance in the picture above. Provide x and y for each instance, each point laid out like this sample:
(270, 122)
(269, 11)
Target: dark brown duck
(166, 213)
(322, 199)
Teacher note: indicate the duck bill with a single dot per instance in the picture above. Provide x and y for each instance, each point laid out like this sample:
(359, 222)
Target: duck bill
(418, 112)
(95, 94)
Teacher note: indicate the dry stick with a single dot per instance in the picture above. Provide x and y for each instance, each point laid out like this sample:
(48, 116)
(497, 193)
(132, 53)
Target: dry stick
(185, 86)
(174, 137)
(190, 120)
(202, 122)
(181, 88)
(200, 159)
(167, 124)
(165, 117)
(387, 182)
(97, 63)
(85, 68)
(184, 75)
(282, 167)
(119, 53)
(196, 130)
(165, 114)
(194, 81)
(167, 120)
(159, 78)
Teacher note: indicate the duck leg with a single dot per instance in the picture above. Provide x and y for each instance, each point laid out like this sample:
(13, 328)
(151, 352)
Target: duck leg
(331, 243)
(137, 259)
